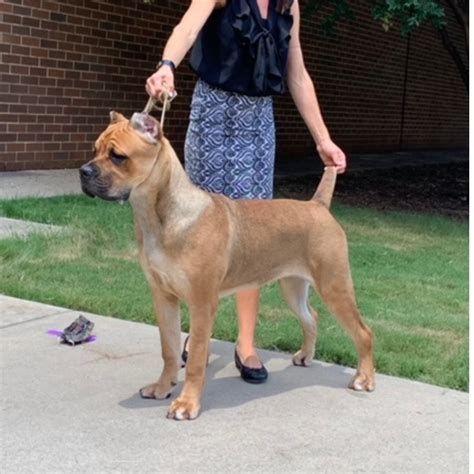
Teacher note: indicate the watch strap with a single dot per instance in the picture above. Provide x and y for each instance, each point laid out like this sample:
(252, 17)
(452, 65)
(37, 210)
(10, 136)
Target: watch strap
(166, 62)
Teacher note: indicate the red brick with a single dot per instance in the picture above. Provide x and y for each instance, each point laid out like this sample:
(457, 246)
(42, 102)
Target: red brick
(66, 64)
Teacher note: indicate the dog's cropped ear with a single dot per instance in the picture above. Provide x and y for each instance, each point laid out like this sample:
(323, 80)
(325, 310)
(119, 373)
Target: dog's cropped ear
(116, 117)
(147, 125)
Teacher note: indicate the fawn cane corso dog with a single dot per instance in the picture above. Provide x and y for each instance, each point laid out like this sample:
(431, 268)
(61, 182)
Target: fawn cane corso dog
(197, 247)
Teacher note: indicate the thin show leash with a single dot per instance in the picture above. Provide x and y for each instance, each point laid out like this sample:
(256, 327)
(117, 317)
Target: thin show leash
(166, 97)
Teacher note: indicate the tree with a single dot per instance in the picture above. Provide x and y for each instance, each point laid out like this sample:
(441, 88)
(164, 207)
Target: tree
(408, 15)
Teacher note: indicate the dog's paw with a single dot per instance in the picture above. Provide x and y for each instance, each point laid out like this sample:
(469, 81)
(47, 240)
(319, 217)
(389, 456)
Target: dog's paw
(363, 382)
(158, 391)
(302, 359)
(184, 409)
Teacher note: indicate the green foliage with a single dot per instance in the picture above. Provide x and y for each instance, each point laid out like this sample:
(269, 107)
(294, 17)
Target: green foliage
(409, 14)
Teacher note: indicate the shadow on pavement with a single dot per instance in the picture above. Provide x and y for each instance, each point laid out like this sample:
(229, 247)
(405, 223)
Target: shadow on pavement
(227, 391)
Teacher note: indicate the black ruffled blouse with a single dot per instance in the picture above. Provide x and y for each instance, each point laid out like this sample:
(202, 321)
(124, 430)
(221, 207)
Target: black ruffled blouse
(238, 51)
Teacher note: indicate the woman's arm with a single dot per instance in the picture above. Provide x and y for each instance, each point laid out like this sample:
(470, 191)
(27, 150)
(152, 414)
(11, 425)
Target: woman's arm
(180, 42)
(302, 90)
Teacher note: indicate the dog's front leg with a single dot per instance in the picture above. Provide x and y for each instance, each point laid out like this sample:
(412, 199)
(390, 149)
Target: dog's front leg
(167, 312)
(189, 402)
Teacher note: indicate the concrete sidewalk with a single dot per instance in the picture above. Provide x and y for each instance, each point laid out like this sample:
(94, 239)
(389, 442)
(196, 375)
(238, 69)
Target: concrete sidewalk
(39, 183)
(19, 228)
(77, 409)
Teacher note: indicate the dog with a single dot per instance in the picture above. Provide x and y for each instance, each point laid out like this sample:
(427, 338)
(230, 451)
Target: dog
(197, 247)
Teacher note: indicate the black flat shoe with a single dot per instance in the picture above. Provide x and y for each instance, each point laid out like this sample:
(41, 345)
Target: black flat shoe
(184, 354)
(250, 374)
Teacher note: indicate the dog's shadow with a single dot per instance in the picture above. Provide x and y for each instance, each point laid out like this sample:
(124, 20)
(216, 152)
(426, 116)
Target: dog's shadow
(226, 392)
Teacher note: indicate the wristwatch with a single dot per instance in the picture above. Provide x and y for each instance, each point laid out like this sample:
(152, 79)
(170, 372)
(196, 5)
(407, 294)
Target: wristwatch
(166, 62)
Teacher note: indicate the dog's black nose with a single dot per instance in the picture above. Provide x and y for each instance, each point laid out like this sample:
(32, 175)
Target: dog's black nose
(87, 171)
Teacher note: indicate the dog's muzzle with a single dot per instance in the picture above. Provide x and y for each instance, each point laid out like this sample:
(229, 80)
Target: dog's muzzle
(88, 174)
(94, 185)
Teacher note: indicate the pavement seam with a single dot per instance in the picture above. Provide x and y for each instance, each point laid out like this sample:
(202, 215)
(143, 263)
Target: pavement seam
(37, 318)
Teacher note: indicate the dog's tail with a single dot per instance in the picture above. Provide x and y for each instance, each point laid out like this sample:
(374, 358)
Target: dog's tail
(326, 186)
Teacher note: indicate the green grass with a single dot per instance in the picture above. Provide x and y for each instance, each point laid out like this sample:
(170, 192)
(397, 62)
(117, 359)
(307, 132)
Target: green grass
(410, 271)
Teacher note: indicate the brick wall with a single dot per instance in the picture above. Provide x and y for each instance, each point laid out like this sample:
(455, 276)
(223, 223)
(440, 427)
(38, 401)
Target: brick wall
(65, 64)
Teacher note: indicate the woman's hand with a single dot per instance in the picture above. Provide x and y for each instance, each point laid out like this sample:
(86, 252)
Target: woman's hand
(161, 80)
(183, 37)
(332, 155)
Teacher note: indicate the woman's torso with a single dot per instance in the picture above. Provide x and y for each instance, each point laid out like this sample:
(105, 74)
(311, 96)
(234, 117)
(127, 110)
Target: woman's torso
(239, 51)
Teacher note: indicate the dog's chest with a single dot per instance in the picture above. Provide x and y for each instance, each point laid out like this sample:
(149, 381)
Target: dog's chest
(160, 268)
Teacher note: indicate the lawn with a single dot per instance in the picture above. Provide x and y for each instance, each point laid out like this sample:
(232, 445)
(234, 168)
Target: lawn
(410, 272)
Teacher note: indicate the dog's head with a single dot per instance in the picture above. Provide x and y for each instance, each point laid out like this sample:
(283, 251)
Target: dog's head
(125, 154)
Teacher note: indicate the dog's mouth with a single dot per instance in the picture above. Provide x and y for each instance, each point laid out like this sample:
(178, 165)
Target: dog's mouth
(87, 192)
(95, 189)
(123, 197)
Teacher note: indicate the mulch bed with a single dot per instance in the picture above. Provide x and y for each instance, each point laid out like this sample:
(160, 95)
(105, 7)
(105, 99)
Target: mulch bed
(437, 189)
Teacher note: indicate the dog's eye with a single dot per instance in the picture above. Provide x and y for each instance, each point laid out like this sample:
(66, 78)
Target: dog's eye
(117, 159)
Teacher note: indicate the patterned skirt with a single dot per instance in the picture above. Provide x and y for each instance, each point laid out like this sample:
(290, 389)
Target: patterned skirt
(230, 143)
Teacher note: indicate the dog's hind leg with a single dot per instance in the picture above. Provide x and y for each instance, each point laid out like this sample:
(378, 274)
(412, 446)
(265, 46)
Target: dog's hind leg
(167, 310)
(334, 283)
(295, 292)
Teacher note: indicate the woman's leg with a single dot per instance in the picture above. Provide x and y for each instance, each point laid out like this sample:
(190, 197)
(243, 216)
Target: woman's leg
(205, 168)
(247, 311)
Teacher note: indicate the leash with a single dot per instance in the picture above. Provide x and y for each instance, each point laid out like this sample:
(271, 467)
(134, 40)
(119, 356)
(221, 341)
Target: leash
(166, 97)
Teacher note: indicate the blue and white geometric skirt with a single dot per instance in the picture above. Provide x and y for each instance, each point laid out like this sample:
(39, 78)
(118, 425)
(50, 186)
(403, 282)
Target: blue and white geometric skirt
(230, 143)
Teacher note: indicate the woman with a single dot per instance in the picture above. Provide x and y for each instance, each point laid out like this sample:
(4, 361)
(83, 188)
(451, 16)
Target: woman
(244, 51)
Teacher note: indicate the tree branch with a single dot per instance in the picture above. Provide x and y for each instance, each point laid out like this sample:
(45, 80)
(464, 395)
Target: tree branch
(462, 18)
(448, 44)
